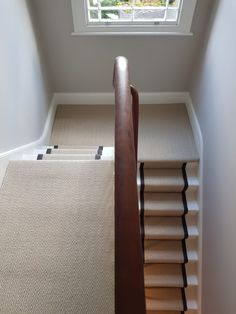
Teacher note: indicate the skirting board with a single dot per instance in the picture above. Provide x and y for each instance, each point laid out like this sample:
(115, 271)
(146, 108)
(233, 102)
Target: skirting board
(18, 152)
(199, 143)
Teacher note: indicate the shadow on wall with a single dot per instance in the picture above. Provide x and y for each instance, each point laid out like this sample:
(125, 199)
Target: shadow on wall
(25, 90)
(204, 43)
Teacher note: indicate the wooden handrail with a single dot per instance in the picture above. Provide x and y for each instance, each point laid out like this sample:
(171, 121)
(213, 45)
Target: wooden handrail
(129, 278)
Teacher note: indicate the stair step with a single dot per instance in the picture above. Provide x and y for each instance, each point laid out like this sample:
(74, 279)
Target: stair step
(167, 180)
(158, 251)
(70, 151)
(165, 312)
(167, 204)
(163, 164)
(163, 275)
(72, 147)
(67, 157)
(167, 228)
(172, 312)
(167, 299)
(163, 228)
(167, 275)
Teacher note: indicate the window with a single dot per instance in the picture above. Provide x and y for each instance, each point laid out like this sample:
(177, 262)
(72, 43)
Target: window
(133, 16)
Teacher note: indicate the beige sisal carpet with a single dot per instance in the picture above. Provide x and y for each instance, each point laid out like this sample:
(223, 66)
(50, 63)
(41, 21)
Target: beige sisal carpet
(57, 238)
(165, 133)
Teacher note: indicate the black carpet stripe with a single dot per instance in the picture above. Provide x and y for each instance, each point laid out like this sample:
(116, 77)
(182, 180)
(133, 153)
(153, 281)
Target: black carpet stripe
(100, 149)
(49, 151)
(185, 177)
(55, 146)
(185, 281)
(185, 227)
(40, 157)
(184, 251)
(141, 195)
(184, 248)
(185, 203)
(184, 299)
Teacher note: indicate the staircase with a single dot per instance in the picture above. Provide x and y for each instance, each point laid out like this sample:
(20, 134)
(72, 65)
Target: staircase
(168, 197)
(62, 152)
(168, 194)
(70, 227)
(169, 223)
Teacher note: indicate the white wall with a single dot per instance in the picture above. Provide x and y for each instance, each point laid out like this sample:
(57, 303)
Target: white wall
(214, 95)
(25, 93)
(85, 64)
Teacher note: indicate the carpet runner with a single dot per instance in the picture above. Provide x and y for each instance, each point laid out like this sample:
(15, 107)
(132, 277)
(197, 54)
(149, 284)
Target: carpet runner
(57, 237)
(51, 220)
(168, 214)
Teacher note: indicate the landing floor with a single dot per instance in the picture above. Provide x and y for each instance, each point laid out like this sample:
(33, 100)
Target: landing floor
(165, 133)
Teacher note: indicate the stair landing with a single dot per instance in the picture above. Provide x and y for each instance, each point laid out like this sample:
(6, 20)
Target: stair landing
(165, 133)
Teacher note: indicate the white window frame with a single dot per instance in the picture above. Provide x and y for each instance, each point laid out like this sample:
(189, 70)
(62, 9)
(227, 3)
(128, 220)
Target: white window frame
(83, 27)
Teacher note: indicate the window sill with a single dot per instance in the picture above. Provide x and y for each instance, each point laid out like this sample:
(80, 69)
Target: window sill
(131, 34)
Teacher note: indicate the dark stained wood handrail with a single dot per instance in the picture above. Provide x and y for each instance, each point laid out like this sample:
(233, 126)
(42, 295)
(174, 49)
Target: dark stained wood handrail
(129, 278)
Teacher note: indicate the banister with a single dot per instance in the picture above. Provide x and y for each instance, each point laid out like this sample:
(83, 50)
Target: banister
(129, 278)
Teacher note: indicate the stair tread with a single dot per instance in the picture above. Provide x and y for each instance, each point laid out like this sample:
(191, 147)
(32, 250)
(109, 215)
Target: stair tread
(167, 228)
(70, 151)
(166, 275)
(164, 312)
(163, 251)
(193, 311)
(159, 251)
(163, 275)
(166, 180)
(167, 204)
(68, 157)
(164, 299)
(167, 299)
(74, 147)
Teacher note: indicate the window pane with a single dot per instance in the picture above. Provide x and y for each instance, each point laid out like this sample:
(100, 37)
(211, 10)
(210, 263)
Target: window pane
(110, 15)
(116, 15)
(124, 3)
(109, 3)
(172, 15)
(174, 3)
(93, 15)
(126, 14)
(149, 14)
(150, 3)
(93, 3)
